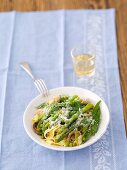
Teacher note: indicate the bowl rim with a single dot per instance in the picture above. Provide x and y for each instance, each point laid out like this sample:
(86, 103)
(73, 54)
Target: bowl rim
(63, 148)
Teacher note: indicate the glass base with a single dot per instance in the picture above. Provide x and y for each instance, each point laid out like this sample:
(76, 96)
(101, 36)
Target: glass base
(86, 82)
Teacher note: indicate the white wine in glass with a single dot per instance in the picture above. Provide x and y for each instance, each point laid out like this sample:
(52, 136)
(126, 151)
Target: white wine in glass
(83, 62)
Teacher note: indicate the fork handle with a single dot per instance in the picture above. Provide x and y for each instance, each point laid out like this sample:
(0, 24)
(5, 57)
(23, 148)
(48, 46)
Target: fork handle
(27, 68)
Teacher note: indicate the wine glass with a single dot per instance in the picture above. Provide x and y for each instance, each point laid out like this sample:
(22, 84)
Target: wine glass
(83, 64)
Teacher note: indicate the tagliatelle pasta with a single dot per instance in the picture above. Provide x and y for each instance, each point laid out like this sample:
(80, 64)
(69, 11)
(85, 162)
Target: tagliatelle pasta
(50, 133)
(66, 120)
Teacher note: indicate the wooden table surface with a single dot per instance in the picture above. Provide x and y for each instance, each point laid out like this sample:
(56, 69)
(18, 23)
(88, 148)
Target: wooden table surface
(121, 24)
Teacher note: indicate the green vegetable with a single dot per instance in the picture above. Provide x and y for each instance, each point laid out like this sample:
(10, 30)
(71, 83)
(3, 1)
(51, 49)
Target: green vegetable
(95, 126)
(88, 107)
(96, 112)
(41, 106)
(87, 135)
(71, 119)
(63, 98)
(65, 133)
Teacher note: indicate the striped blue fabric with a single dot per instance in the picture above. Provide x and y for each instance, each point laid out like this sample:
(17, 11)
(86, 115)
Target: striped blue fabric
(45, 39)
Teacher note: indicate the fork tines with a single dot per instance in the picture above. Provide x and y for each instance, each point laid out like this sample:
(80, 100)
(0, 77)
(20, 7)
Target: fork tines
(41, 86)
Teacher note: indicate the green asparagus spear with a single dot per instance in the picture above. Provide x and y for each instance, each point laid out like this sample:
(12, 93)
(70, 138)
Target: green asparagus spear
(95, 113)
(41, 106)
(95, 126)
(88, 107)
(65, 133)
(71, 120)
(87, 135)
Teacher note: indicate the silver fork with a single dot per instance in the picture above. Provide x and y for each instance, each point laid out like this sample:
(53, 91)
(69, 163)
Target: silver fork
(39, 83)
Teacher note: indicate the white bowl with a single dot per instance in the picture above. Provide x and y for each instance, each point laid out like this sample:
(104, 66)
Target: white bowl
(83, 93)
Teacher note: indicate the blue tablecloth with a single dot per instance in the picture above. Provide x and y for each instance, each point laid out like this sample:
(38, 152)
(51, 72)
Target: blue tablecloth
(45, 39)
